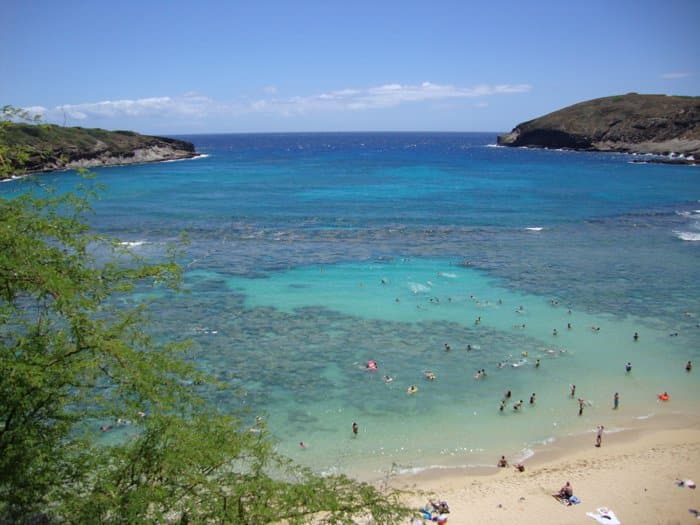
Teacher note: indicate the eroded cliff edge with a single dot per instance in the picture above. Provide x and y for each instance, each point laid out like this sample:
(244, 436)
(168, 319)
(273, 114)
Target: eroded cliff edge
(37, 148)
(632, 123)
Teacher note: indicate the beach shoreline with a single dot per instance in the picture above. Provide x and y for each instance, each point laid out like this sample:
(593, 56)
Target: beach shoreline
(634, 473)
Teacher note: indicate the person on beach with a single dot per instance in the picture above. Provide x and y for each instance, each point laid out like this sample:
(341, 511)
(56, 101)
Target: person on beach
(502, 463)
(688, 366)
(566, 492)
(599, 436)
(580, 406)
(355, 427)
(616, 400)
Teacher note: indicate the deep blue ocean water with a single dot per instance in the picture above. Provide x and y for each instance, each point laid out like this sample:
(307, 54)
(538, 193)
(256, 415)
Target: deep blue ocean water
(311, 254)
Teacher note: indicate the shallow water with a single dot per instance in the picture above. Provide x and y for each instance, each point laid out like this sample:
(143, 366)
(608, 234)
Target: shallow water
(310, 255)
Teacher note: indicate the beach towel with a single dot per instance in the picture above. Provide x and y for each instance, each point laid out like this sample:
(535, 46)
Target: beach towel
(604, 515)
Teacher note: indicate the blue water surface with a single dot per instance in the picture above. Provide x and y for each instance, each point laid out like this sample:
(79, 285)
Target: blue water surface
(310, 254)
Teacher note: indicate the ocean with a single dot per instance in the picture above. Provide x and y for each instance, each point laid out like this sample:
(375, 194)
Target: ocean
(311, 256)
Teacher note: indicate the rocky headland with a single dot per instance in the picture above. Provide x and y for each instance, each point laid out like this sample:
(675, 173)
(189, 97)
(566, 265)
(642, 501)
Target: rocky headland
(36, 148)
(646, 124)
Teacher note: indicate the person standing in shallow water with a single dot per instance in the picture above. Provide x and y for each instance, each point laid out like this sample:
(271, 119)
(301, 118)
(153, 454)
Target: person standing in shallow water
(580, 406)
(355, 428)
(616, 401)
(599, 436)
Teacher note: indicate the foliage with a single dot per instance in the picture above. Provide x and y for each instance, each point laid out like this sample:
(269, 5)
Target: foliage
(26, 143)
(73, 358)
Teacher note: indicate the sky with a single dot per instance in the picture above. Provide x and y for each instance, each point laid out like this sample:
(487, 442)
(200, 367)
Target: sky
(178, 67)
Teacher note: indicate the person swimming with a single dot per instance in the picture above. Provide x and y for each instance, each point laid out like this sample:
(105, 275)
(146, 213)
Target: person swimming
(628, 367)
(412, 389)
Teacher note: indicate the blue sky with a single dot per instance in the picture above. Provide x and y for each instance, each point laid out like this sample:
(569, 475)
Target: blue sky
(226, 66)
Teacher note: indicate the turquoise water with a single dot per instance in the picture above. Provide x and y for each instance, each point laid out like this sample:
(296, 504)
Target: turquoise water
(312, 254)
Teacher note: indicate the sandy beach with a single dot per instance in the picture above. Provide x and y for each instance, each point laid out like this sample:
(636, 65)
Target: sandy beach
(634, 473)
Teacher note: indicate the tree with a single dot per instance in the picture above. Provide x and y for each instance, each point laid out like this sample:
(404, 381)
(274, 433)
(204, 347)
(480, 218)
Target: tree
(72, 358)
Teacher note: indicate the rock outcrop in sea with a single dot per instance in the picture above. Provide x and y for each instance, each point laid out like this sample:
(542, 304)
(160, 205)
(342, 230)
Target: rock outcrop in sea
(632, 123)
(46, 147)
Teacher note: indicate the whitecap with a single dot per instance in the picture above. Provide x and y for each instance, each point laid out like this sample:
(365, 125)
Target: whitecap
(131, 244)
(534, 228)
(418, 288)
(447, 275)
(687, 236)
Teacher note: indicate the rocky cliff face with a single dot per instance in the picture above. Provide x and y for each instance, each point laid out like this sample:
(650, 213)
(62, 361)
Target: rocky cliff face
(40, 148)
(631, 123)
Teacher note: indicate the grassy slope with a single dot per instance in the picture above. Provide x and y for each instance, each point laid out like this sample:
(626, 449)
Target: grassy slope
(50, 146)
(624, 119)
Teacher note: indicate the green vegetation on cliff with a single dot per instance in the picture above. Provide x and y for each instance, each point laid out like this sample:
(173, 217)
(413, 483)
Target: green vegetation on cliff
(631, 123)
(45, 147)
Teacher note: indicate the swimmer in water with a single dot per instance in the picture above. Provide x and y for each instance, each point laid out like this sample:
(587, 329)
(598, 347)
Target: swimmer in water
(628, 367)
(412, 389)
(532, 399)
(355, 428)
(302, 444)
(573, 390)
(537, 363)
(688, 366)
(635, 337)
(447, 347)
(388, 379)
(429, 375)
(503, 405)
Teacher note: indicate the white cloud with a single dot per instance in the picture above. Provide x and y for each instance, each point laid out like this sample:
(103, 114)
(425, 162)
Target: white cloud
(192, 105)
(678, 74)
(387, 95)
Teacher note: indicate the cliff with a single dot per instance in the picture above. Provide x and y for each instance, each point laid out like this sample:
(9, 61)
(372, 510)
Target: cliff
(44, 147)
(632, 123)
